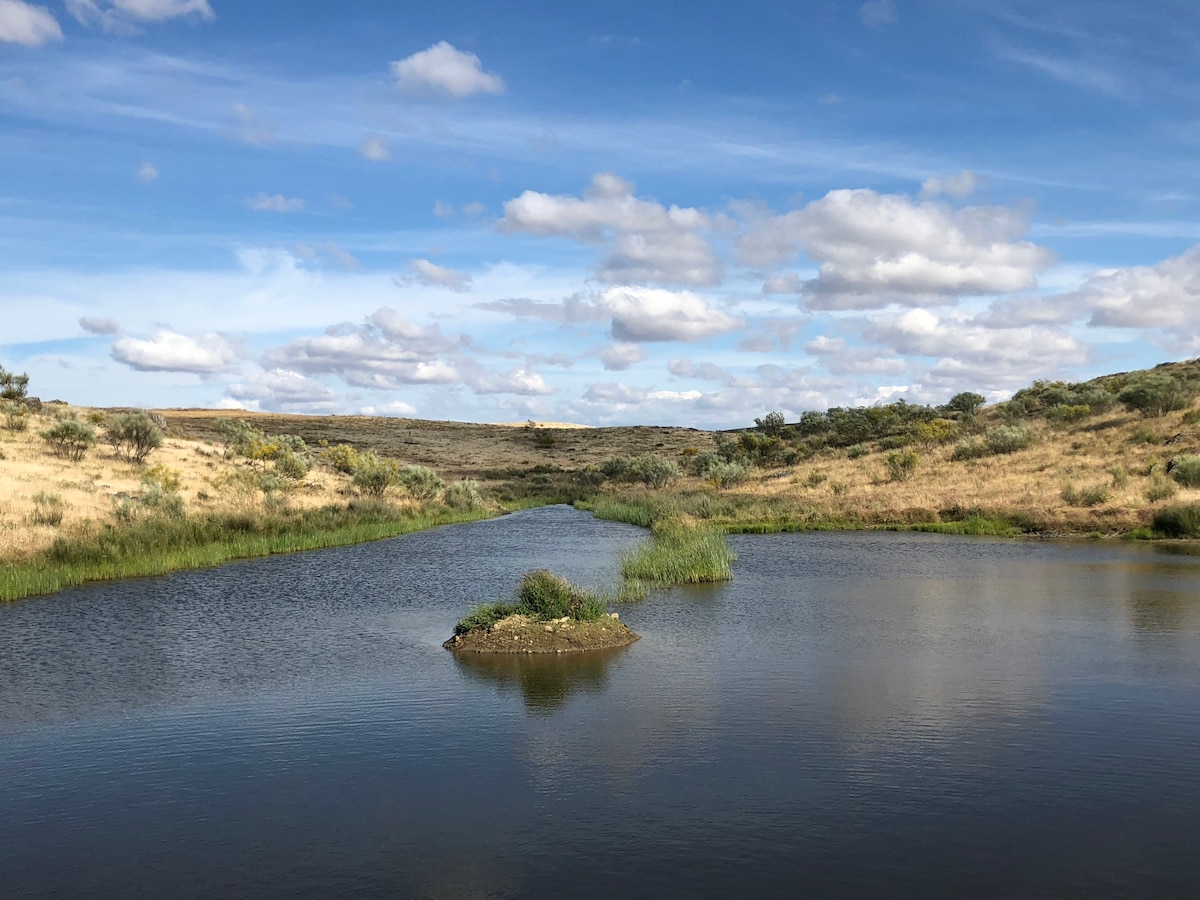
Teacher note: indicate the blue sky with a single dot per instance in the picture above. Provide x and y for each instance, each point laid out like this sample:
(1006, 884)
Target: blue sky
(605, 213)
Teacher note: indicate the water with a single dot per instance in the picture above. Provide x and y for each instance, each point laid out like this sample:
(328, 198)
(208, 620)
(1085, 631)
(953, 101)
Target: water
(855, 715)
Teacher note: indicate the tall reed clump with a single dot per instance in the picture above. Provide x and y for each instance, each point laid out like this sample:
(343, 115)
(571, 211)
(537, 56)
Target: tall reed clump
(1179, 521)
(679, 553)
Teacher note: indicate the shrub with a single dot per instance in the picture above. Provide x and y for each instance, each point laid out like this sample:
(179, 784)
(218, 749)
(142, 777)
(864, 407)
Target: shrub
(815, 478)
(485, 616)
(648, 468)
(16, 415)
(1089, 496)
(723, 474)
(236, 435)
(972, 449)
(771, 424)
(939, 431)
(463, 494)
(1179, 521)
(70, 439)
(419, 482)
(1160, 488)
(1155, 394)
(857, 451)
(12, 385)
(1191, 417)
(1144, 435)
(1008, 438)
(342, 458)
(965, 404)
(900, 466)
(47, 510)
(134, 435)
(374, 476)
(291, 465)
(1062, 414)
(1185, 469)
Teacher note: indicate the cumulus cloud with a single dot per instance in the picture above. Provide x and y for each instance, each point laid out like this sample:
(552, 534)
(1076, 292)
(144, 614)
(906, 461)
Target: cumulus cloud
(327, 250)
(432, 275)
(656, 314)
(619, 357)
(147, 173)
(283, 390)
(573, 310)
(99, 325)
(443, 69)
(375, 149)
(961, 185)
(966, 351)
(26, 24)
(1165, 295)
(705, 371)
(646, 241)
(877, 249)
(395, 408)
(125, 16)
(275, 203)
(876, 13)
(522, 381)
(168, 351)
(615, 395)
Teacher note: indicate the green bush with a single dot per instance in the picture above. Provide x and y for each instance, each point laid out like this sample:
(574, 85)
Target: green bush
(650, 469)
(419, 482)
(857, 451)
(901, 466)
(1155, 394)
(1185, 469)
(1063, 414)
(291, 465)
(815, 478)
(70, 439)
(972, 449)
(12, 385)
(1179, 521)
(544, 595)
(134, 435)
(463, 494)
(965, 404)
(342, 458)
(1095, 495)
(723, 474)
(374, 476)
(771, 424)
(1160, 488)
(1008, 438)
(1191, 417)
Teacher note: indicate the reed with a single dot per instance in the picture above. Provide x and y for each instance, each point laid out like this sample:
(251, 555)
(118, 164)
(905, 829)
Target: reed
(158, 546)
(679, 553)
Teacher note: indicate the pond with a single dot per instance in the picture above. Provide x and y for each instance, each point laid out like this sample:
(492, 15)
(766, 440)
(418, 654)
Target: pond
(854, 715)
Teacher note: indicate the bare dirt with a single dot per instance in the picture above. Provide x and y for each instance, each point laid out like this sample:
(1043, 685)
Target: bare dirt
(523, 634)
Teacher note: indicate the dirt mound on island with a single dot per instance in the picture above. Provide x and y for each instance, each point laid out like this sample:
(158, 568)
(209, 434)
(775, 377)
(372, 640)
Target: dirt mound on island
(525, 634)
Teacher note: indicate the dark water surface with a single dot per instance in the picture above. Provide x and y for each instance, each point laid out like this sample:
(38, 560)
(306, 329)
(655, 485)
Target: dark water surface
(855, 715)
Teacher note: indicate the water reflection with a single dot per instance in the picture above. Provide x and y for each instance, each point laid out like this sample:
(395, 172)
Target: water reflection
(1165, 611)
(546, 681)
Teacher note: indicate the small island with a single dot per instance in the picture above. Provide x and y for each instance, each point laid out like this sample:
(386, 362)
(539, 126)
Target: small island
(551, 615)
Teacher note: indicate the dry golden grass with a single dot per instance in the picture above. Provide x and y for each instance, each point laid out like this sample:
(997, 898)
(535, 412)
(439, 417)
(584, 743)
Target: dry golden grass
(1028, 483)
(89, 487)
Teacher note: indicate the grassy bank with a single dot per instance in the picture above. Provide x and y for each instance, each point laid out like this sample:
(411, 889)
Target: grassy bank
(158, 546)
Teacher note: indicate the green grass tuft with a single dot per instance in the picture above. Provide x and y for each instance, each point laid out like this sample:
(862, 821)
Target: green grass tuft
(680, 554)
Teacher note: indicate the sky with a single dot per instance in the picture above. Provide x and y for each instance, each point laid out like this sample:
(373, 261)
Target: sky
(607, 213)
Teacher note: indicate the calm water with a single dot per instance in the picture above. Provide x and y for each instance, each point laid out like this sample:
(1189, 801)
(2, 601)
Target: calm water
(854, 715)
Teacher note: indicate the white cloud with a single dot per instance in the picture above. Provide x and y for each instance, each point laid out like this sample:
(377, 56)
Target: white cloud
(877, 249)
(375, 149)
(444, 69)
(647, 241)
(252, 128)
(432, 275)
(147, 173)
(615, 395)
(619, 357)
(99, 325)
(1166, 295)
(167, 351)
(523, 382)
(395, 408)
(124, 16)
(26, 24)
(988, 358)
(655, 314)
(876, 13)
(275, 203)
(674, 396)
(282, 390)
(958, 186)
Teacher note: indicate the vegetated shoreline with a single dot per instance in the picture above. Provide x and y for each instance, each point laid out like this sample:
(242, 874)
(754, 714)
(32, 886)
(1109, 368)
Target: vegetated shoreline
(158, 547)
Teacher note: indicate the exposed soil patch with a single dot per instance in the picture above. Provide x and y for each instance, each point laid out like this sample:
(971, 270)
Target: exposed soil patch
(524, 634)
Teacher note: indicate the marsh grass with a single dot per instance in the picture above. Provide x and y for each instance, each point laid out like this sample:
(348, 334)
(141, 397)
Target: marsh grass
(542, 596)
(160, 545)
(679, 553)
